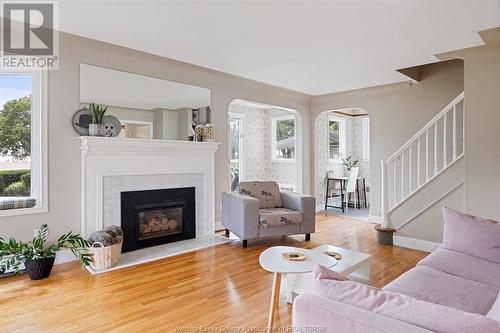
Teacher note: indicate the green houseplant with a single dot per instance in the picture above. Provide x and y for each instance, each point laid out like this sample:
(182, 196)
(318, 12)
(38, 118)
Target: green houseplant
(38, 258)
(97, 112)
(349, 162)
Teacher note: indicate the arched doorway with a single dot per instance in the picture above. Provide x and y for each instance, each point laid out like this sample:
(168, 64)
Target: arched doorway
(342, 137)
(265, 143)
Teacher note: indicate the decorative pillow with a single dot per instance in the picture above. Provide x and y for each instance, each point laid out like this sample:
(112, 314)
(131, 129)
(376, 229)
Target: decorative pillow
(494, 312)
(427, 315)
(267, 192)
(276, 217)
(471, 235)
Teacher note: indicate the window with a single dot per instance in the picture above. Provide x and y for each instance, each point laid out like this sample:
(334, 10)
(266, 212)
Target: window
(283, 138)
(22, 143)
(365, 138)
(336, 138)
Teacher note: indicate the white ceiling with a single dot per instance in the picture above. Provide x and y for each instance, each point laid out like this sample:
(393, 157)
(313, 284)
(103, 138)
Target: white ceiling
(111, 87)
(310, 46)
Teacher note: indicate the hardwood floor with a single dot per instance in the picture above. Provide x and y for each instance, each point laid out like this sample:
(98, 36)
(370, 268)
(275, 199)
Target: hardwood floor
(222, 286)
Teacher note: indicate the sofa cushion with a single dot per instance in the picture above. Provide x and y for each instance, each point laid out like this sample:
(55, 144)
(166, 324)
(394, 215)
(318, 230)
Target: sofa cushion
(267, 192)
(494, 312)
(471, 235)
(464, 265)
(275, 217)
(438, 287)
(427, 315)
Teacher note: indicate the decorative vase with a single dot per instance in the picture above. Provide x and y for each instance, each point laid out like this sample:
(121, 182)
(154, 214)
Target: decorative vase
(96, 129)
(40, 268)
(384, 235)
(209, 134)
(199, 132)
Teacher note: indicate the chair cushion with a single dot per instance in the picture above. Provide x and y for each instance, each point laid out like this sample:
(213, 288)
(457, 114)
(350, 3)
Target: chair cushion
(431, 285)
(463, 265)
(471, 235)
(275, 217)
(267, 192)
(398, 306)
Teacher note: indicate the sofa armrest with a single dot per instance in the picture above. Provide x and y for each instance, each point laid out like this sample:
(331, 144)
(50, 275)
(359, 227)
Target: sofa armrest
(240, 214)
(306, 204)
(311, 313)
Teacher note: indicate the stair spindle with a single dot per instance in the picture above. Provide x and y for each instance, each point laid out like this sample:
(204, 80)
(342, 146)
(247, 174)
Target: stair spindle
(402, 176)
(418, 162)
(427, 155)
(454, 133)
(436, 147)
(445, 140)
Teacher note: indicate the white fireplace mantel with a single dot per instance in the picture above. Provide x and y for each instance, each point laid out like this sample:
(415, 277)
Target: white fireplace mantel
(136, 164)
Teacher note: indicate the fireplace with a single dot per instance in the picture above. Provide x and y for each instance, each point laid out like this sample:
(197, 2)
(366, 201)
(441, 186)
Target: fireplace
(155, 217)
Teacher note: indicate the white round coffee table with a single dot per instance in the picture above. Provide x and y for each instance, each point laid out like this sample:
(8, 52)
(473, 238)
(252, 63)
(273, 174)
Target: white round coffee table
(272, 261)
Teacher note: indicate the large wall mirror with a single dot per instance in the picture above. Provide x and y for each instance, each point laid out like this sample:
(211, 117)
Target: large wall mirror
(148, 108)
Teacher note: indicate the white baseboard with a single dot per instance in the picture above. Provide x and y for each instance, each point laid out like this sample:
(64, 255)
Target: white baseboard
(64, 256)
(218, 226)
(414, 243)
(375, 219)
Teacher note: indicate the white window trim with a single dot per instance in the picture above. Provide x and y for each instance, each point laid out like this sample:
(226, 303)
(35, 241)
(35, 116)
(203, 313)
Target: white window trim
(365, 139)
(274, 120)
(241, 117)
(38, 140)
(342, 138)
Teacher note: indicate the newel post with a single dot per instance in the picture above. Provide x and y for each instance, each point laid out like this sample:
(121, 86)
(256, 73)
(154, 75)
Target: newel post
(384, 195)
(383, 232)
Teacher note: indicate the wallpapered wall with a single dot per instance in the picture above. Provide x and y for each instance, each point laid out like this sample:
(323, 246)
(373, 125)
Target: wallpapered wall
(354, 148)
(257, 146)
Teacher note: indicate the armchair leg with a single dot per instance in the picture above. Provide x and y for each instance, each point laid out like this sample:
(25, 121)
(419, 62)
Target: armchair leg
(244, 243)
(227, 233)
(308, 237)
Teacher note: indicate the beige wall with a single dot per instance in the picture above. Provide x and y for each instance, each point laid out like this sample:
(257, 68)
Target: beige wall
(396, 112)
(482, 131)
(64, 100)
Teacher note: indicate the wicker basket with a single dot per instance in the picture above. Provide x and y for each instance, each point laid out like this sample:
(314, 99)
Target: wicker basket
(105, 256)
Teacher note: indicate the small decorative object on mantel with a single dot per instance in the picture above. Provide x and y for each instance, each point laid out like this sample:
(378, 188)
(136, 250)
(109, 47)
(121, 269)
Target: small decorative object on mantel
(96, 127)
(293, 256)
(199, 132)
(112, 126)
(209, 134)
(81, 121)
(333, 254)
(106, 247)
(38, 258)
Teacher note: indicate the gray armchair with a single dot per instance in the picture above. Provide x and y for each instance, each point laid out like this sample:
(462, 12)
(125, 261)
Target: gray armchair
(261, 210)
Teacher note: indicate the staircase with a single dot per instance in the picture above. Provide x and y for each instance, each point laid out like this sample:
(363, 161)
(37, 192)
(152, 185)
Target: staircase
(434, 155)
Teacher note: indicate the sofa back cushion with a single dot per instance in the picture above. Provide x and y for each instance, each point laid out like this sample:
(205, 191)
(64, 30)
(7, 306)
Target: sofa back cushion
(267, 192)
(427, 315)
(471, 235)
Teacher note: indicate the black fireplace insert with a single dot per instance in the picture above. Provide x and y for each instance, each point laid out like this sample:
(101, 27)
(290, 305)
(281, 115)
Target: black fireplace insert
(154, 217)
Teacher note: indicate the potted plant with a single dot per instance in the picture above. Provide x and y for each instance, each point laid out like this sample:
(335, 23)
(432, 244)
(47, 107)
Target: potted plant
(38, 258)
(97, 111)
(349, 162)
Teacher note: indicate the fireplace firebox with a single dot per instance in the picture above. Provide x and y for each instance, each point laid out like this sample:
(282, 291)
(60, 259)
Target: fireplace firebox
(155, 217)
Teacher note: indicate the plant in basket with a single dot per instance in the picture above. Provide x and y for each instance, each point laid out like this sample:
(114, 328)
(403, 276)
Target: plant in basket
(38, 258)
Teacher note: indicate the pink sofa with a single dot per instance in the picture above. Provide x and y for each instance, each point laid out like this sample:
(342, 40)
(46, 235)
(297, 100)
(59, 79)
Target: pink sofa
(451, 290)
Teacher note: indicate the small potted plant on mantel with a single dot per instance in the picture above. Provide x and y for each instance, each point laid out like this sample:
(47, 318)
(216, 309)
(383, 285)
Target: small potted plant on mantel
(97, 111)
(38, 258)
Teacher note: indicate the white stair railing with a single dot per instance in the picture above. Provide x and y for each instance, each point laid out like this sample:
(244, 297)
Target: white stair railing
(441, 150)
